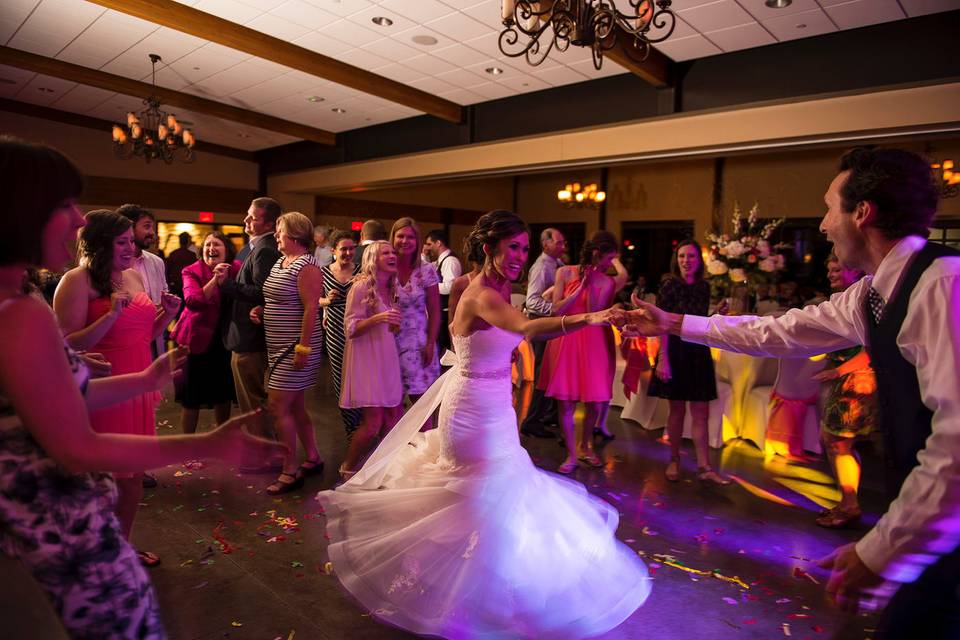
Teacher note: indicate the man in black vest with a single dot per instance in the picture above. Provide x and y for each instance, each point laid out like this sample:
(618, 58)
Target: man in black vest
(879, 210)
(241, 336)
(448, 269)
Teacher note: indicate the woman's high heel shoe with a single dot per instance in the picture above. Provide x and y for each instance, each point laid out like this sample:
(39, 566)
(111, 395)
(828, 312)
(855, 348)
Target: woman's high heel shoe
(707, 474)
(672, 472)
(606, 437)
(345, 475)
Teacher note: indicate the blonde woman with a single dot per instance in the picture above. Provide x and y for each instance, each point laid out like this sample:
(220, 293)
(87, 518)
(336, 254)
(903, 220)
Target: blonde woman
(418, 301)
(291, 318)
(371, 366)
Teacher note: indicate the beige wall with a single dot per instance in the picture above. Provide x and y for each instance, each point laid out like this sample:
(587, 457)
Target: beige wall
(92, 151)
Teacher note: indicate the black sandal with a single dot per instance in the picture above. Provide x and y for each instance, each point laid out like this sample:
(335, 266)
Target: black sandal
(311, 468)
(280, 486)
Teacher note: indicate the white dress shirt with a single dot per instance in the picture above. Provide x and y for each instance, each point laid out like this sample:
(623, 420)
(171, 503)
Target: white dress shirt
(153, 272)
(449, 269)
(923, 523)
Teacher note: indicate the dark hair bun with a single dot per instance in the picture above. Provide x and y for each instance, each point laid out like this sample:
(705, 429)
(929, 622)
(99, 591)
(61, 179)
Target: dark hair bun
(491, 228)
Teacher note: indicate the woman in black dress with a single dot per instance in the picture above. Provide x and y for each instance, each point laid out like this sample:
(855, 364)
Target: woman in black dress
(337, 279)
(684, 371)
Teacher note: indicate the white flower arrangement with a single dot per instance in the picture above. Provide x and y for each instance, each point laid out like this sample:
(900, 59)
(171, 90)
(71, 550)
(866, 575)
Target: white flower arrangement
(745, 256)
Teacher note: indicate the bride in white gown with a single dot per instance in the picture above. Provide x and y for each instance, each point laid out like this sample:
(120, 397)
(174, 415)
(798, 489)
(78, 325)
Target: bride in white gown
(455, 532)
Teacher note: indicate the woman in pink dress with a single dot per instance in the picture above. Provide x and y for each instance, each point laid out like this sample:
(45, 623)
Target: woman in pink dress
(371, 363)
(102, 307)
(579, 367)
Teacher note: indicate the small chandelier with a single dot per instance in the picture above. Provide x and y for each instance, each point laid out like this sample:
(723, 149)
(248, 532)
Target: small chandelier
(153, 134)
(947, 180)
(577, 195)
(584, 23)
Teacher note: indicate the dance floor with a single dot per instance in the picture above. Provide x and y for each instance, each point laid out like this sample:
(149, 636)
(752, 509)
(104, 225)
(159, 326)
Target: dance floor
(726, 562)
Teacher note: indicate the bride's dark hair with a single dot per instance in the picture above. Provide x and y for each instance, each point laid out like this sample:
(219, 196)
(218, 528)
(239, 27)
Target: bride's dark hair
(491, 228)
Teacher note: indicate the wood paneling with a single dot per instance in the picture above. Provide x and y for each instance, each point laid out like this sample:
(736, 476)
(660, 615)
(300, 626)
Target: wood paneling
(367, 209)
(126, 86)
(166, 195)
(230, 34)
(76, 119)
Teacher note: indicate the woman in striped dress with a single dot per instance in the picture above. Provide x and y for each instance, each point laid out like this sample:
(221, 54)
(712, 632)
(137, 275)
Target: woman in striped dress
(337, 279)
(294, 337)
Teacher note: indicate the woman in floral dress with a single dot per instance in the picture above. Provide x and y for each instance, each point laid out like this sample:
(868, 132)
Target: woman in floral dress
(418, 299)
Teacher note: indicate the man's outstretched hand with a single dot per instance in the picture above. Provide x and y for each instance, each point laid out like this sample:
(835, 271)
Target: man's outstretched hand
(646, 320)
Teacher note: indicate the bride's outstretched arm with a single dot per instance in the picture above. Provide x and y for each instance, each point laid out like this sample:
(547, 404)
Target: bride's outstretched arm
(493, 309)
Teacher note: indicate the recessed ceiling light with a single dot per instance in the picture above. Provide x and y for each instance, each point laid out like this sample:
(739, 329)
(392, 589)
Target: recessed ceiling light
(381, 21)
(7, 81)
(338, 110)
(801, 26)
(315, 99)
(494, 71)
(45, 89)
(196, 68)
(243, 135)
(424, 40)
(778, 4)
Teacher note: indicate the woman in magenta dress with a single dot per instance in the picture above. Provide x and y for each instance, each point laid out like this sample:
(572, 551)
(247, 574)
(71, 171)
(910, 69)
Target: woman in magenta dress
(102, 307)
(579, 367)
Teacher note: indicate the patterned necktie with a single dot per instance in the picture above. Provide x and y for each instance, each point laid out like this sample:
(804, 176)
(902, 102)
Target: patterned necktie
(875, 300)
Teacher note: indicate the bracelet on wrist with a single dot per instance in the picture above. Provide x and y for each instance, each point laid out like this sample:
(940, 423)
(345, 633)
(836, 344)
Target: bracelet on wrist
(563, 327)
(302, 348)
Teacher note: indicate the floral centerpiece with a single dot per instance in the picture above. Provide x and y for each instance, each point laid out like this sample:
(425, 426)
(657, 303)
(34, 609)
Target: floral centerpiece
(745, 256)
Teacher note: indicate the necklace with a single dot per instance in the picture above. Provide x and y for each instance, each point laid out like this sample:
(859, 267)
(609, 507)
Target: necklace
(116, 285)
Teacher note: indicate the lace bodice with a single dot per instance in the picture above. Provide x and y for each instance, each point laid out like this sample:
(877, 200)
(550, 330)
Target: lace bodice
(485, 353)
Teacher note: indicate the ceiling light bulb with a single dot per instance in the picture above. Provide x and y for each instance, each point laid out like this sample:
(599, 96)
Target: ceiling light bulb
(424, 40)
(381, 21)
(778, 4)
(315, 99)
(494, 71)
(338, 110)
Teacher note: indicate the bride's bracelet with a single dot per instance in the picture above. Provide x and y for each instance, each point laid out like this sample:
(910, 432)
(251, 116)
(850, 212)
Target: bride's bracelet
(563, 328)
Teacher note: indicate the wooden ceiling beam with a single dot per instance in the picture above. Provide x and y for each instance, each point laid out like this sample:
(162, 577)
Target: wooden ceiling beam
(230, 34)
(657, 69)
(127, 86)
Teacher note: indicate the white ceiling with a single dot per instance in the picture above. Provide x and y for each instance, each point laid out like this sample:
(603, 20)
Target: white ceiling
(454, 68)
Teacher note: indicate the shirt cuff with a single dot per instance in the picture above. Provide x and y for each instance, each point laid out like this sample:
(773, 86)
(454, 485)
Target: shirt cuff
(694, 327)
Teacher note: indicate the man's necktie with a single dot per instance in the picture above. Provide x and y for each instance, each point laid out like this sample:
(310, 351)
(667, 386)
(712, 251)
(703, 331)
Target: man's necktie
(875, 300)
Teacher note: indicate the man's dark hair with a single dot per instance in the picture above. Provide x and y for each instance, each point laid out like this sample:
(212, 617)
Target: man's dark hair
(373, 230)
(438, 235)
(899, 183)
(270, 207)
(185, 239)
(133, 212)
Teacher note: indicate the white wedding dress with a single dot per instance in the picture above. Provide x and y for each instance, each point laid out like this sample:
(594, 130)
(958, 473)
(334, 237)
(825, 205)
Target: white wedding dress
(456, 533)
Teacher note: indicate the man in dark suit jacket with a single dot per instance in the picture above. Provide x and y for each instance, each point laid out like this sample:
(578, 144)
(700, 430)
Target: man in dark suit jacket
(241, 336)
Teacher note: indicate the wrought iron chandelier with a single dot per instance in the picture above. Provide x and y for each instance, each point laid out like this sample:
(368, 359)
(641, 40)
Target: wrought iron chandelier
(597, 24)
(153, 134)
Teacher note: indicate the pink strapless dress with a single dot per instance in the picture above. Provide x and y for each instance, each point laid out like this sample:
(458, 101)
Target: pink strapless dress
(579, 366)
(127, 347)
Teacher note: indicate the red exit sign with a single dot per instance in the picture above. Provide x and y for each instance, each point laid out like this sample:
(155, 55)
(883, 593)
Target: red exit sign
(356, 225)
(206, 216)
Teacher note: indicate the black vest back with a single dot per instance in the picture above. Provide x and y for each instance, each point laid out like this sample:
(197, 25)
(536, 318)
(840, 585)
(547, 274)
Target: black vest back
(904, 420)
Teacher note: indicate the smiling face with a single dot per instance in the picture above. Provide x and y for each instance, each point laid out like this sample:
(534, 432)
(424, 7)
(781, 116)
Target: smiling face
(124, 251)
(386, 258)
(144, 232)
(511, 255)
(840, 226)
(345, 250)
(405, 242)
(840, 277)
(60, 235)
(689, 261)
(255, 224)
(214, 251)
